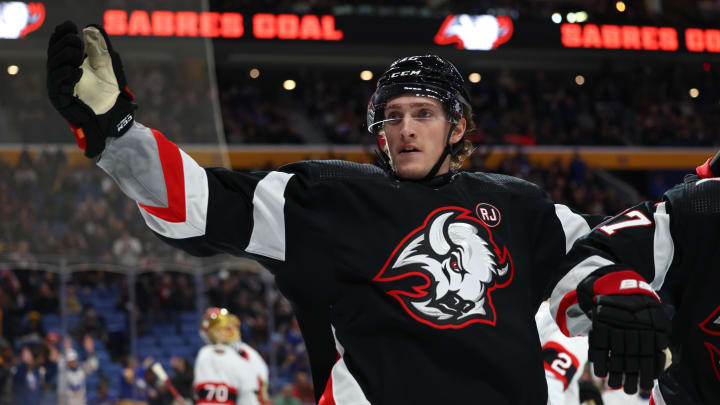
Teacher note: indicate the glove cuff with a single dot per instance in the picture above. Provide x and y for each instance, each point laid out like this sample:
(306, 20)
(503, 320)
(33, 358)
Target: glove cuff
(611, 280)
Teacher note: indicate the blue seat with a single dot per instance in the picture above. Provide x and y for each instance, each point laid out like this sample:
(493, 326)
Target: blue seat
(187, 316)
(189, 327)
(187, 352)
(103, 357)
(73, 319)
(51, 322)
(172, 340)
(164, 330)
(149, 351)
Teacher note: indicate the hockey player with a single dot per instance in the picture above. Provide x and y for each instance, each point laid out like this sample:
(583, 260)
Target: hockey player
(564, 359)
(412, 286)
(227, 370)
(673, 244)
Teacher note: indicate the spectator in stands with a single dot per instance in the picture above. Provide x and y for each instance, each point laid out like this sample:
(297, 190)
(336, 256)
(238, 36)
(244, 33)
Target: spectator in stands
(127, 250)
(46, 298)
(103, 395)
(21, 255)
(304, 388)
(91, 325)
(32, 377)
(7, 360)
(127, 393)
(286, 396)
(73, 373)
(182, 376)
(33, 332)
(134, 388)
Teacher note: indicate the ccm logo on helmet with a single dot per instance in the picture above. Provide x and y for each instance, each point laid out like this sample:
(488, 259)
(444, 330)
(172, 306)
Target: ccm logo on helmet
(406, 73)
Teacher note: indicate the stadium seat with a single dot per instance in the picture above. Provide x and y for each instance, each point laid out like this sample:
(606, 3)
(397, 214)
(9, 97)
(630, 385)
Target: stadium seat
(51, 322)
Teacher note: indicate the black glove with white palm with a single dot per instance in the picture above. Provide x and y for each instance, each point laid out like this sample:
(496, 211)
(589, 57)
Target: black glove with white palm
(630, 332)
(87, 85)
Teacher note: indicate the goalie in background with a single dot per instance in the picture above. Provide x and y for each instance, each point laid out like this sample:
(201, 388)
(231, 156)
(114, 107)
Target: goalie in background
(227, 370)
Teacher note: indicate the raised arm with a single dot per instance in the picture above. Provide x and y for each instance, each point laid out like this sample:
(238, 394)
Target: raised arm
(202, 211)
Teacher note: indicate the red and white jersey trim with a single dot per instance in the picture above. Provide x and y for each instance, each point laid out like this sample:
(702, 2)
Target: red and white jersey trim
(656, 397)
(342, 388)
(187, 194)
(268, 233)
(564, 307)
(574, 225)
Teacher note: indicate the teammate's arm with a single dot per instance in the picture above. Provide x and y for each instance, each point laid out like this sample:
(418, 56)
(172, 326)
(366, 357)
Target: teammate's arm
(629, 330)
(616, 269)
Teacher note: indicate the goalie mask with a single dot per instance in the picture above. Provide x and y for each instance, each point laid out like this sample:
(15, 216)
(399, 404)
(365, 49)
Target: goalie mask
(423, 76)
(220, 326)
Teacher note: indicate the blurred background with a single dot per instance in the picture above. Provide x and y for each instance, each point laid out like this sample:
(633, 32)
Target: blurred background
(602, 103)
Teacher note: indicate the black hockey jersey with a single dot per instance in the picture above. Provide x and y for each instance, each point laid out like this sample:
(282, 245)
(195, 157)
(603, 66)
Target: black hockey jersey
(674, 245)
(406, 292)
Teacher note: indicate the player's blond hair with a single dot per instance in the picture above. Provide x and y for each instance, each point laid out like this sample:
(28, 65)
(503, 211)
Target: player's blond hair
(466, 150)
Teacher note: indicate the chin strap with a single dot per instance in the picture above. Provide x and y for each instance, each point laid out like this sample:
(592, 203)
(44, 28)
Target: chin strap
(451, 150)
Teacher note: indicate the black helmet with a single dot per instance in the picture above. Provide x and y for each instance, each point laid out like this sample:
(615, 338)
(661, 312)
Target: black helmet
(426, 76)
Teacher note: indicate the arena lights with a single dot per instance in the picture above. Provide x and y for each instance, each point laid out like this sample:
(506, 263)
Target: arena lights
(160, 23)
(579, 80)
(694, 93)
(366, 75)
(289, 84)
(17, 19)
(556, 18)
(620, 6)
(13, 70)
(254, 73)
(474, 77)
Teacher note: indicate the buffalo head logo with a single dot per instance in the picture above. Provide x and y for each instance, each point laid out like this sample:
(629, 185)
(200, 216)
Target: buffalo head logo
(444, 271)
(475, 32)
(17, 19)
(711, 324)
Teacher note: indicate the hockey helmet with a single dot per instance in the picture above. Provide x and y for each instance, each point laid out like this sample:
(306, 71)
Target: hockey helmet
(220, 326)
(425, 76)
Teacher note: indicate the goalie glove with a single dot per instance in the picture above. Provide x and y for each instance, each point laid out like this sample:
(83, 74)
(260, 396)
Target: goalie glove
(629, 336)
(87, 85)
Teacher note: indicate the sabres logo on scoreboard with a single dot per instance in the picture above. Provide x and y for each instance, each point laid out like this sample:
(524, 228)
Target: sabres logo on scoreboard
(17, 19)
(474, 32)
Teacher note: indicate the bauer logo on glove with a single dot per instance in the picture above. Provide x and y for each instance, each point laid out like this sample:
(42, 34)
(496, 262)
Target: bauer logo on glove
(87, 85)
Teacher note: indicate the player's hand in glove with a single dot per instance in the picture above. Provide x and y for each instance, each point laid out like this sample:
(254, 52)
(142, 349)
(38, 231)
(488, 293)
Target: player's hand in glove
(87, 85)
(630, 332)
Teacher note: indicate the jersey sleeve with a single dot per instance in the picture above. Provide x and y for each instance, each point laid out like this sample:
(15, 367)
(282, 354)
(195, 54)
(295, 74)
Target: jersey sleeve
(210, 385)
(638, 239)
(205, 211)
(555, 229)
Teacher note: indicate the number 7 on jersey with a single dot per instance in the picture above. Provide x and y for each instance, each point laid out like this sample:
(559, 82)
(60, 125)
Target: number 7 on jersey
(639, 219)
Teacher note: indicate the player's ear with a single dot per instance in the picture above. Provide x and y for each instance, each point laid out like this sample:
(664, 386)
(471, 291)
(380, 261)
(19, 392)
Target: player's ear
(459, 131)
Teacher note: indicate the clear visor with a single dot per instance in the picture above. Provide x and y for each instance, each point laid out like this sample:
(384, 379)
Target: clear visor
(394, 119)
